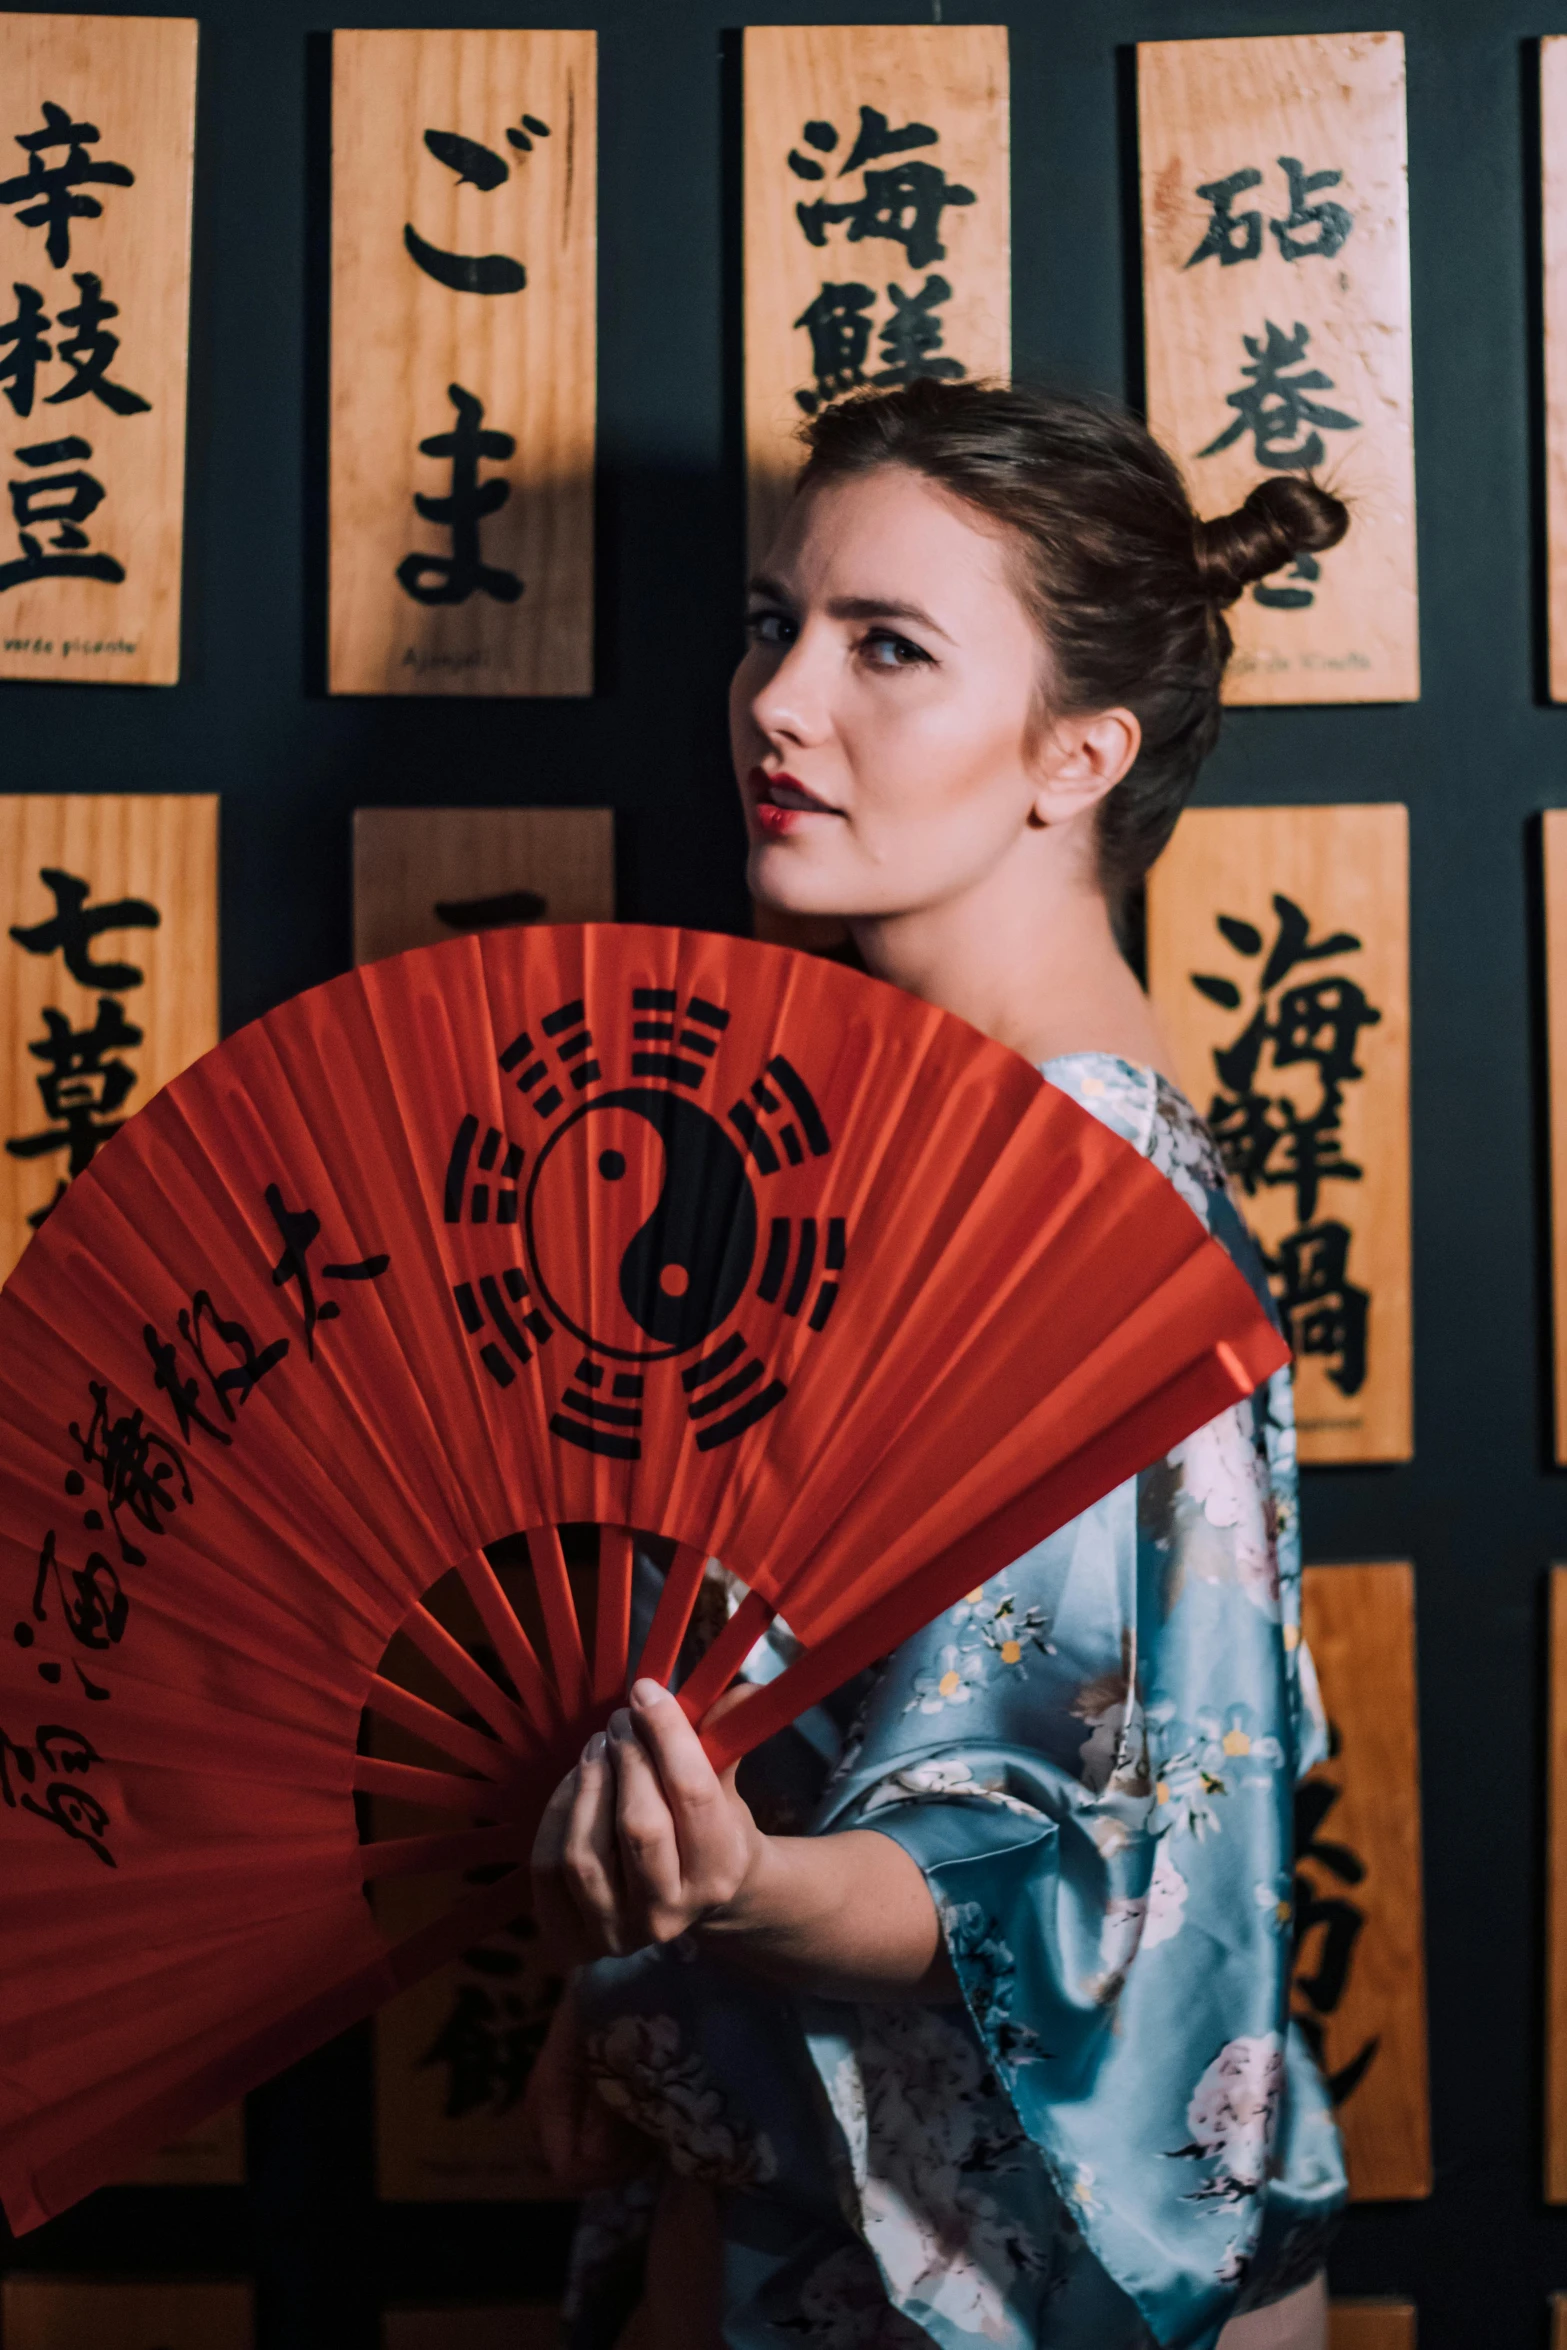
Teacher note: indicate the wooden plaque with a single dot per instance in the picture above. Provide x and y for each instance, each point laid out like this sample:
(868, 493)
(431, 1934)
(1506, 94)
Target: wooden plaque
(1371, 2325)
(1553, 156)
(464, 229)
(1559, 2321)
(453, 2053)
(72, 2313)
(1554, 836)
(1556, 1965)
(523, 2326)
(108, 977)
(1278, 962)
(877, 238)
(425, 874)
(96, 155)
(1360, 1932)
(1276, 296)
(211, 2156)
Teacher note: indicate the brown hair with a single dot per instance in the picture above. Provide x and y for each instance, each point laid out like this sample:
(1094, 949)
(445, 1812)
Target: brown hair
(1127, 585)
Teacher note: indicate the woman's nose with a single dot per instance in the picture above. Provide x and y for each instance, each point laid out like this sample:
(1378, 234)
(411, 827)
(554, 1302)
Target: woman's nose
(791, 706)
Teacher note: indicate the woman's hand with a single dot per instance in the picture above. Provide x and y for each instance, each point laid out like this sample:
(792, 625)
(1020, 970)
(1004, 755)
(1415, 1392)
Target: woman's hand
(572, 2143)
(644, 1840)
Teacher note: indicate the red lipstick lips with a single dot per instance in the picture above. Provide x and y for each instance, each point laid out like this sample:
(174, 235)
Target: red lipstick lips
(781, 801)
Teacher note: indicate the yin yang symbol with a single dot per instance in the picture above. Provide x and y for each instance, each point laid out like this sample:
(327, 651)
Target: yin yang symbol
(640, 1224)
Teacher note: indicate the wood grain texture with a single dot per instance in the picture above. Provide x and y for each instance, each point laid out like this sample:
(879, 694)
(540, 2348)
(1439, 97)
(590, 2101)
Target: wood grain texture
(523, 2326)
(1346, 868)
(1359, 1623)
(159, 849)
(211, 2156)
(802, 80)
(1553, 205)
(133, 80)
(453, 2054)
(1208, 110)
(1556, 1916)
(1371, 2325)
(71, 2313)
(409, 861)
(1554, 845)
(401, 340)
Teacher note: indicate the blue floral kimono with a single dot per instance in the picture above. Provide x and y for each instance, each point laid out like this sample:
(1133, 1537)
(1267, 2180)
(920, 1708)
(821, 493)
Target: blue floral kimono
(1118, 2138)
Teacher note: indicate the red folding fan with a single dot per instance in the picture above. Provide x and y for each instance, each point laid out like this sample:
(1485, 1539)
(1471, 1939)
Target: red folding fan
(575, 1229)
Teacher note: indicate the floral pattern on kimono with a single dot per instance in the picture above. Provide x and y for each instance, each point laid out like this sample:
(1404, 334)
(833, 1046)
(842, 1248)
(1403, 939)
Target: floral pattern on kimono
(1118, 2138)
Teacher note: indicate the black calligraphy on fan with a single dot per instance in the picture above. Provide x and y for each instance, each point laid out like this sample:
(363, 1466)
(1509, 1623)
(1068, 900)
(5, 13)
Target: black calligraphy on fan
(1273, 1140)
(902, 203)
(61, 338)
(127, 1482)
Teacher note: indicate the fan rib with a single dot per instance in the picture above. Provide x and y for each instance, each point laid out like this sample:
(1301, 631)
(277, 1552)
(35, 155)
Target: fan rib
(672, 1614)
(492, 1906)
(440, 1790)
(512, 1645)
(711, 1675)
(424, 1856)
(1190, 1399)
(452, 1661)
(612, 1620)
(564, 1633)
(436, 1728)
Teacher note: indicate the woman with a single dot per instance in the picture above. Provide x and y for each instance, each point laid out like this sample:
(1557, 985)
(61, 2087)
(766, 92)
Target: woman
(998, 2051)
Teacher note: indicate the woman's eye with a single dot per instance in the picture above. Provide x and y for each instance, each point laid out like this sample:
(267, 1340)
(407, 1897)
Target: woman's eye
(886, 650)
(770, 628)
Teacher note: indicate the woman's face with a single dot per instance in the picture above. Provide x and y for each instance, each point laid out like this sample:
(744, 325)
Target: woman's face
(884, 721)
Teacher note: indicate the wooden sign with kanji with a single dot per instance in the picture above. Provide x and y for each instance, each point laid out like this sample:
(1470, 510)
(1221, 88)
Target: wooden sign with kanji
(464, 240)
(877, 238)
(453, 2054)
(1276, 298)
(97, 144)
(1360, 1981)
(108, 977)
(426, 874)
(1278, 963)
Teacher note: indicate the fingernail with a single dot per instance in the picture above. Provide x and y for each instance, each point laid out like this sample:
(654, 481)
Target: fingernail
(594, 1749)
(649, 1693)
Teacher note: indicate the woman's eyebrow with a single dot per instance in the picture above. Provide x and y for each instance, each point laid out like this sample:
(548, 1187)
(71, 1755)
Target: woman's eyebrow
(769, 590)
(884, 608)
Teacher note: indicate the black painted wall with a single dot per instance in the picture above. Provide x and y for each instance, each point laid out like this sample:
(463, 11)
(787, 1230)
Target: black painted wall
(1480, 1509)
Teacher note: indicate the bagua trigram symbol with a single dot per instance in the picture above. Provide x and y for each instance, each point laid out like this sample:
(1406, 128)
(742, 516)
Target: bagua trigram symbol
(675, 1232)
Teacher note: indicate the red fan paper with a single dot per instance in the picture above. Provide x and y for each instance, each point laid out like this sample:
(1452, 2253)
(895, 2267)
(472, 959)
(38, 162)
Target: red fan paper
(602, 1228)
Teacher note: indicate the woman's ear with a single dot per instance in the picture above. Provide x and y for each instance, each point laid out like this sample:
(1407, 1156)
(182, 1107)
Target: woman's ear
(1079, 761)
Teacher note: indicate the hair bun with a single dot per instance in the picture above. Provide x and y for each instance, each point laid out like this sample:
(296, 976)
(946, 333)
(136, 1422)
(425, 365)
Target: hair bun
(1283, 517)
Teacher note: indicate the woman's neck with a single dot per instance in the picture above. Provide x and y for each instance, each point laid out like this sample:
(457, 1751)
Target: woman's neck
(1029, 957)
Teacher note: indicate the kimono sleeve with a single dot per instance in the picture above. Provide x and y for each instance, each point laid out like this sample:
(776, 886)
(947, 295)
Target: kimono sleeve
(1092, 1759)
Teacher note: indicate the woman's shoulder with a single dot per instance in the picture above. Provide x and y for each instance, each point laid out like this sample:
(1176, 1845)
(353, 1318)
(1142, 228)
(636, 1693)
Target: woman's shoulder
(1142, 1105)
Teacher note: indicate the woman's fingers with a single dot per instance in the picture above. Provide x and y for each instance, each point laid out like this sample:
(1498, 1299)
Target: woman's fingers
(555, 1912)
(590, 1853)
(705, 1813)
(649, 1849)
(641, 1840)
